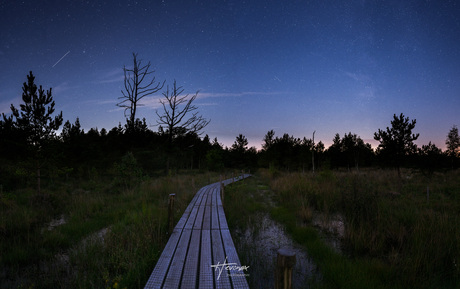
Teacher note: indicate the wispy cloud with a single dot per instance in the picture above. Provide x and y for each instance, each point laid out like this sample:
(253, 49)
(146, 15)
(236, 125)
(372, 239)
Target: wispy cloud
(110, 76)
(366, 83)
(112, 80)
(153, 101)
(116, 109)
(209, 104)
(107, 101)
(62, 87)
(235, 94)
(358, 76)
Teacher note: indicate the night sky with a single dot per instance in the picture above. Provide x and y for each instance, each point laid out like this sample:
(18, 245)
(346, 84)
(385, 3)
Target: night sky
(291, 66)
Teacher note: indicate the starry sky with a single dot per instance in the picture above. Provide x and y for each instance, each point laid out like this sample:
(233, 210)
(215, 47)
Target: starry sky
(291, 66)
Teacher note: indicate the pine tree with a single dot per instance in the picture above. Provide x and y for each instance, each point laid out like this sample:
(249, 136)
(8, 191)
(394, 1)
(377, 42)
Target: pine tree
(35, 120)
(398, 141)
(453, 143)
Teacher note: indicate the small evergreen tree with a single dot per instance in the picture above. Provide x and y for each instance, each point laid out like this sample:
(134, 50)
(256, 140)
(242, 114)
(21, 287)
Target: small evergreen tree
(398, 141)
(238, 151)
(35, 120)
(453, 144)
(241, 144)
(430, 156)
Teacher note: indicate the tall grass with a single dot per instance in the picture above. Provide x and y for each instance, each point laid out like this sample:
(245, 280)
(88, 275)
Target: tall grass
(387, 219)
(114, 232)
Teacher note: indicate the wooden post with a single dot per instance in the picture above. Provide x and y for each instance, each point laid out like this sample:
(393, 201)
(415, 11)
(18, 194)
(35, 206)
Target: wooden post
(171, 213)
(284, 264)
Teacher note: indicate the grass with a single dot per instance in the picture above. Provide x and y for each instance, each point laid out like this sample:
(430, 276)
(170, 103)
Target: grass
(115, 229)
(395, 237)
(114, 232)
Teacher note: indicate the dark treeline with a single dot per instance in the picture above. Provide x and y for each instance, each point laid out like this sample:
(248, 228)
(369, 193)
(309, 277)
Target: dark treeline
(79, 153)
(31, 150)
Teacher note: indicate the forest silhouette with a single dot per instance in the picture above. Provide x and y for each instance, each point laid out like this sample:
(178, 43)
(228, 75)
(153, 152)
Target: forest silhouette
(32, 149)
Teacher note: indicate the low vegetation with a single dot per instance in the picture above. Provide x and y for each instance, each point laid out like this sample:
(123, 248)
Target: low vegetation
(396, 234)
(104, 232)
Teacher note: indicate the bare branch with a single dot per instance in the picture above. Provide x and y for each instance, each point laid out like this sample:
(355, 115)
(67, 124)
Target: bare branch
(179, 114)
(135, 88)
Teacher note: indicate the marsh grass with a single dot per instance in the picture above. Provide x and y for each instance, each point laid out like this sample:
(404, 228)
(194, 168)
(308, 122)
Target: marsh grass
(112, 235)
(394, 235)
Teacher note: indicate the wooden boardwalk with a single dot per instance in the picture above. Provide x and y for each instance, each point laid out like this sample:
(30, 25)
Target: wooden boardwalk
(199, 246)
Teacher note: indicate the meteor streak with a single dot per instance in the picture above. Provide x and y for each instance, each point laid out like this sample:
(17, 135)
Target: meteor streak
(61, 58)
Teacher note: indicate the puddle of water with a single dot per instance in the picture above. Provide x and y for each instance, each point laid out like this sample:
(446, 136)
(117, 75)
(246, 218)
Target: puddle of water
(258, 247)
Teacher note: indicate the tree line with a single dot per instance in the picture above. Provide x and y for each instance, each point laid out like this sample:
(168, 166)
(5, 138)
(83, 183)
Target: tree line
(31, 150)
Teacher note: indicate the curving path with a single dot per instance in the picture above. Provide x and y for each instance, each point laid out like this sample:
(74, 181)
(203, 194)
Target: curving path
(199, 246)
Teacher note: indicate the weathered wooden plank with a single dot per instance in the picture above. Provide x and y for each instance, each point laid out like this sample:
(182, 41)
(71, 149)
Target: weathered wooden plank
(220, 273)
(209, 199)
(196, 199)
(192, 218)
(200, 214)
(205, 280)
(207, 217)
(178, 261)
(214, 213)
(219, 200)
(238, 278)
(222, 219)
(194, 213)
(189, 277)
(161, 268)
(184, 219)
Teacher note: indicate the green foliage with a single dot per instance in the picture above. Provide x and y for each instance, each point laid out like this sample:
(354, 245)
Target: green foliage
(128, 171)
(105, 240)
(214, 160)
(242, 200)
(390, 229)
(337, 271)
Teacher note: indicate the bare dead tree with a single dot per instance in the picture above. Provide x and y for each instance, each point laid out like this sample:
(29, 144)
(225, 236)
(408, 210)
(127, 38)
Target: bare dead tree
(180, 116)
(136, 88)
